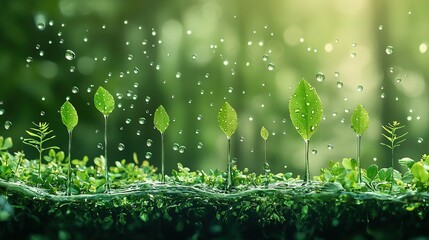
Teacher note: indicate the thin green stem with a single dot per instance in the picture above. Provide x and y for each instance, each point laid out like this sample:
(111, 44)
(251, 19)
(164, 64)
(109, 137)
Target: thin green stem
(307, 163)
(106, 170)
(392, 179)
(162, 158)
(359, 140)
(229, 164)
(69, 165)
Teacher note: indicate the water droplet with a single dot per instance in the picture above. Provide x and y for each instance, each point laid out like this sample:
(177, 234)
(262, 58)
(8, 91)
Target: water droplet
(330, 147)
(29, 59)
(182, 149)
(147, 99)
(138, 132)
(423, 48)
(314, 151)
(389, 50)
(382, 95)
(121, 147)
(149, 142)
(398, 80)
(142, 120)
(130, 57)
(320, 77)
(136, 70)
(176, 146)
(420, 140)
(340, 84)
(271, 66)
(128, 120)
(230, 89)
(360, 88)
(200, 145)
(409, 118)
(265, 57)
(178, 75)
(148, 155)
(7, 125)
(199, 117)
(374, 159)
(70, 55)
(1, 111)
(380, 27)
(99, 145)
(75, 90)
(42, 113)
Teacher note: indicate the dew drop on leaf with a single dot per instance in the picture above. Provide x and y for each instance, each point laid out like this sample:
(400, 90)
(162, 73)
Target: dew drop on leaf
(75, 90)
(389, 50)
(149, 142)
(148, 155)
(176, 146)
(314, 151)
(360, 88)
(340, 84)
(121, 147)
(182, 149)
(7, 125)
(420, 140)
(330, 147)
(271, 66)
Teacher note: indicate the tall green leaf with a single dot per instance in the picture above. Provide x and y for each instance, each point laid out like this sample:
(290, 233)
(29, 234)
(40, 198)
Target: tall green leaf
(360, 120)
(305, 109)
(104, 101)
(161, 119)
(69, 115)
(227, 119)
(264, 133)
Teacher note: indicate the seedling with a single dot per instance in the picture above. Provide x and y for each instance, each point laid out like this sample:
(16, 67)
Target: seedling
(265, 134)
(306, 110)
(393, 141)
(105, 103)
(360, 123)
(161, 121)
(69, 118)
(228, 123)
(38, 136)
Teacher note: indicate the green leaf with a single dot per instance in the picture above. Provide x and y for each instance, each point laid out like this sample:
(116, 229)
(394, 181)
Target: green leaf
(69, 115)
(360, 120)
(104, 101)
(406, 162)
(350, 163)
(419, 172)
(5, 144)
(372, 171)
(227, 119)
(161, 119)
(305, 109)
(264, 133)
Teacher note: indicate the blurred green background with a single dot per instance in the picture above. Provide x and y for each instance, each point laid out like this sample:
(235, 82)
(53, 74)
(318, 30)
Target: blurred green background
(191, 56)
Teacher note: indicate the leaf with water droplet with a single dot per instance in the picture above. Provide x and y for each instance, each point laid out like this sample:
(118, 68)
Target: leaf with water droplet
(360, 120)
(305, 109)
(104, 101)
(69, 115)
(264, 133)
(161, 119)
(227, 119)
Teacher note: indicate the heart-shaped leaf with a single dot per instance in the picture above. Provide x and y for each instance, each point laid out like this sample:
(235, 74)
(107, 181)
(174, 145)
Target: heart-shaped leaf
(69, 115)
(305, 109)
(104, 101)
(161, 119)
(5, 144)
(360, 120)
(227, 119)
(264, 133)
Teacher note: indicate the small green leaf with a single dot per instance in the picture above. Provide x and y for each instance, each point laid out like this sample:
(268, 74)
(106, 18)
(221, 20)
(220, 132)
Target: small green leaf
(227, 119)
(419, 172)
(5, 144)
(264, 133)
(69, 115)
(161, 119)
(104, 101)
(372, 171)
(360, 120)
(305, 109)
(350, 163)
(406, 162)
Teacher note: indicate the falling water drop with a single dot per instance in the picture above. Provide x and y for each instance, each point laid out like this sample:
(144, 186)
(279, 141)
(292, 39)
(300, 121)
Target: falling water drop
(70, 55)
(420, 140)
(340, 84)
(176, 146)
(389, 50)
(149, 142)
(121, 147)
(320, 77)
(330, 147)
(360, 88)
(182, 149)
(148, 155)
(271, 66)
(75, 90)
(314, 151)
(7, 125)
(1, 111)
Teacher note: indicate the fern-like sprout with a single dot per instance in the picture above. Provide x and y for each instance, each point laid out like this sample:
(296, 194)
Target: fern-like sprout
(39, 135)
(393, 140)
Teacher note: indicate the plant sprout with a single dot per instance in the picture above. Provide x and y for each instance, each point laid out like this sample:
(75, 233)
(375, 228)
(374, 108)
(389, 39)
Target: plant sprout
(306, 110)
(228, 123)
(69, 118)
(360, 123)
(105, 103)
(38, 136)
(393, 141)
(161, 122)
(265, 134)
